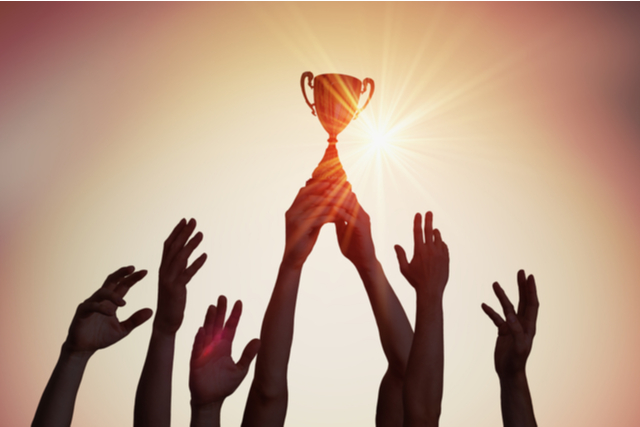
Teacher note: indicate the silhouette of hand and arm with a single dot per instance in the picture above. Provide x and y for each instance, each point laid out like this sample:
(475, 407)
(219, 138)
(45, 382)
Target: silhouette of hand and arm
(513, 346)
(214, 375)
(356, 243)
(428, 273)
(313, 207)
(94, 326)
(153, 396)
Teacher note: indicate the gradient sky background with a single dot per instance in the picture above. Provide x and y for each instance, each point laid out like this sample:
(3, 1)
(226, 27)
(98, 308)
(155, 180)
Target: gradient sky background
(518, 125)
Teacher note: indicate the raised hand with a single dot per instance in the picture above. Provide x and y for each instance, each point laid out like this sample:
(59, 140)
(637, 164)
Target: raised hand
(153, 397)
(428, 271)
(513, 346)
(315, 205)
(175, 274)
(214, 375)
(515, 334)
(95, 324)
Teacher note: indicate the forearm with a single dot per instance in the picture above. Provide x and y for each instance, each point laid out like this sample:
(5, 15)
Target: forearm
(206, 415)
(58, 399)
(153, 396)
(515, 400)
(393, 325)
(424, 376)
(268, 396)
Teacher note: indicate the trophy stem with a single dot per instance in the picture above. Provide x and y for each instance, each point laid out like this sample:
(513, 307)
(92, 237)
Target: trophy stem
(329, 168)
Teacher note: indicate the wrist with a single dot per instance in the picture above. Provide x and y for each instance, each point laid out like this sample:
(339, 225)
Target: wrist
(163, 332)
(289, 266)
(73, 355)
(429, 300)
(370, 269)
(514, 378)
(205, 414)
(207, 407)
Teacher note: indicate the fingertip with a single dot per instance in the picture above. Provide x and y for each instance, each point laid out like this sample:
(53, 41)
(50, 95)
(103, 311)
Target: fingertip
(146, 314)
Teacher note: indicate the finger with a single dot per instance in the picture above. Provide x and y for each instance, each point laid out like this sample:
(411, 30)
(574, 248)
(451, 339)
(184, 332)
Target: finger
(315, 187)
(168, 243)
(308, 202)
(522, 293)
(136, 319)
(417, 235)
(428, 229)
(533, 305)
(507, 307)
(193, 269)
(181, 239)
(181, 258)
(402, 259)
(220, 315)
(231, 325)
(126, 283)
(437, 238)
(106, 294)
(88, 307)
(341, 194)
(248, 354)
(318, 219)
(344, 216)
(113, 279)
(198, 345)
(351, 204)
(495, 317)
(209, 320)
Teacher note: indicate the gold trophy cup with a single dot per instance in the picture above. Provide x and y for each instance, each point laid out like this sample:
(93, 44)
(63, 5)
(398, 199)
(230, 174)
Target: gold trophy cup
(336, 99)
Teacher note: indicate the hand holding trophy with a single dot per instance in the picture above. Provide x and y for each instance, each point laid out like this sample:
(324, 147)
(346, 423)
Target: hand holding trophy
(336, 99)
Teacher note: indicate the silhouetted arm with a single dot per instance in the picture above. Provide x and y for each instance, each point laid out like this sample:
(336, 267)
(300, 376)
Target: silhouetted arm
(213, 374)
(153, 396)
(394, 329)
(268, 396)
(93, 327)
(513, 346)
(428, 273)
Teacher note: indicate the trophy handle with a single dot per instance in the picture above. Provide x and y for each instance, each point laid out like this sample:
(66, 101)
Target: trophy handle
(365, 83)
(308, 74)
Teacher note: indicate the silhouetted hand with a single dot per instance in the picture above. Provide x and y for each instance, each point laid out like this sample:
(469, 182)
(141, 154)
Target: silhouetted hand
(214, 375)
(314, 206)
(175, 274)
(428, 270)
(95, 324)
(353, 229)
(515, 335)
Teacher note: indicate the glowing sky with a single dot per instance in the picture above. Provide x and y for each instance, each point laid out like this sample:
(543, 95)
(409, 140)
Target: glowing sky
(518, 125)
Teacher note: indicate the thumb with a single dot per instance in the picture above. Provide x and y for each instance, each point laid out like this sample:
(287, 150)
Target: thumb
(136, 319)
(402, 259)
(248, 354)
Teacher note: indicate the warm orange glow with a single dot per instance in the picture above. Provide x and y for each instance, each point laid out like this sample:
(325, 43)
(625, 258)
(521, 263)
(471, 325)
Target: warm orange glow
(515, 123)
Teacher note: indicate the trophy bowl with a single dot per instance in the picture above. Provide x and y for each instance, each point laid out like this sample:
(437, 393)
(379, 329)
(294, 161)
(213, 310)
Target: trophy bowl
(336, 98)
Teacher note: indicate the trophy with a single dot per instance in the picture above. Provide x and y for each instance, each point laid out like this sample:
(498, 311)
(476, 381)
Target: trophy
(336, 99)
